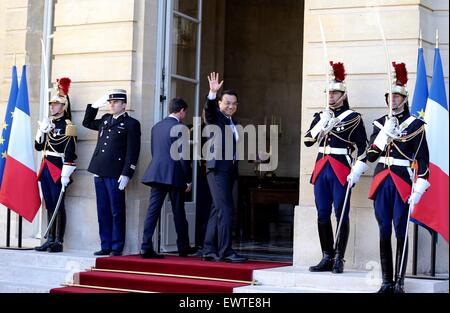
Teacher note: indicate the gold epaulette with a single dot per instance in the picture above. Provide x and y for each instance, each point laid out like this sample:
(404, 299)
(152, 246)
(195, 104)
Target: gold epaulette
(71, 129)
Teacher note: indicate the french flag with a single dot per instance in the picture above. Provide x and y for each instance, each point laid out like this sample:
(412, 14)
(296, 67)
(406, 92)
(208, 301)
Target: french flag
(20, 191)
(433, 209)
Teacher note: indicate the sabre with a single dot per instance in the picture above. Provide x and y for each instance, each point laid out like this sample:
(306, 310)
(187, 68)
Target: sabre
(55, 213)
(410, 208)
(325, 56)
(347, 193)
(388, 61)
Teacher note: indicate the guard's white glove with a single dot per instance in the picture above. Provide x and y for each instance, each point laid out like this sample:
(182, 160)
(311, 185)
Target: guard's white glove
(188, 187)
(66, 172)
(420, 187)
(325, 117)
(46, 125)
(387, 133)
(331, 123)
(39, 136)
(101, 102)
(357, 170)
(123, 182)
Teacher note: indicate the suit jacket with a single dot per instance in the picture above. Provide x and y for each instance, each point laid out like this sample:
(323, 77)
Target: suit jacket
(217, 158)
(118, 145)
(163, 169)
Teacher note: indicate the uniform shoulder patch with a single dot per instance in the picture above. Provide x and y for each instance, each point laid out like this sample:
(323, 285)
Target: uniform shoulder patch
(71, 129)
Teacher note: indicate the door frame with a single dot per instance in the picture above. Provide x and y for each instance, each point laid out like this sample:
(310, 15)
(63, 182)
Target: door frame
(164, 78)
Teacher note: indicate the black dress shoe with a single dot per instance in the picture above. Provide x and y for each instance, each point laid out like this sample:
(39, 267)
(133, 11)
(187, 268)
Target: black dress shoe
(235, 258)
(398, 288)
(44, 246)
(386, 287)
(338, 266)
(198, 253)
(115, 253)
(188, 251)
(55, 247)
(211, 257)
(102, 252)
(150, 254)
(325, 265)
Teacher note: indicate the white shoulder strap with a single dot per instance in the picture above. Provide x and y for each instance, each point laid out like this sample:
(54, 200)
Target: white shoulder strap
(402, 126)
(407, 122)
(344, 115)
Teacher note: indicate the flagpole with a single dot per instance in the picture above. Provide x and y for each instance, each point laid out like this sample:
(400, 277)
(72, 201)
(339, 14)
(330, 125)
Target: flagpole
(8, 228)
(437, 38)
(416, 227)
(46, 42)
(420, 39)
(434, 233)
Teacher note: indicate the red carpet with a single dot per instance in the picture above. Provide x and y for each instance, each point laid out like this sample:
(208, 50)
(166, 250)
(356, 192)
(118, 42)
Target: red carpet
(192, 266)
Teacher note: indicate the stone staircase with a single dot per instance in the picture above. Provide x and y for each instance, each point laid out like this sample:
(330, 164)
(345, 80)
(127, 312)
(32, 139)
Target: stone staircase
(29, 271)
(37, 272)
(299, 280)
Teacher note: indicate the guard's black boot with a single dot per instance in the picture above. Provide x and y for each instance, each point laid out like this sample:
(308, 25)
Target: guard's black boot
(57, 246)
(45, 245)
(338, 266)
(51, 234)
(400, 272)
(58, 228)
(386, 265)
(326, 243)
(60, 224)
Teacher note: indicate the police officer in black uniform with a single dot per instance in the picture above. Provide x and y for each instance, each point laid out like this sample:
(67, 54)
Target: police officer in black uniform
(398, 143)
(56, 137)
(113, 164)
(339, 131)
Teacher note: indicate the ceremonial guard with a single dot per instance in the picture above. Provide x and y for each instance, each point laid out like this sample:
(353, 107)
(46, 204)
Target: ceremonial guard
(339, 131)
(399, 145)
(56, 138)
(113, 164)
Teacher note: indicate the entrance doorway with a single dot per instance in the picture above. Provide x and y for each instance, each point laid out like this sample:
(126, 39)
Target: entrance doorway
(257, 47)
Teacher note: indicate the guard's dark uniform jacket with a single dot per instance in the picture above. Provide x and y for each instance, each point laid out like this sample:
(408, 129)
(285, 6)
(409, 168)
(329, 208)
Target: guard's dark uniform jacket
(58, 148)
(395, 160)
(118, 144)
(338, 144)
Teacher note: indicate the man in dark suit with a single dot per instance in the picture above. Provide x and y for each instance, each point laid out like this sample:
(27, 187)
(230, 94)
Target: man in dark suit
(222, 172)
(113, 164)
(168, 175)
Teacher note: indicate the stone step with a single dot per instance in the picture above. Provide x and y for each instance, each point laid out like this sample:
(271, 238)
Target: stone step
(36, 275)
(63, 260)
(349, 281)
(13, 287)
(32, 271)
(276, 289)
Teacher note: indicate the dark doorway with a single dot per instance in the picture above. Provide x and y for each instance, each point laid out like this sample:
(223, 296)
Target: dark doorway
(258, 47)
